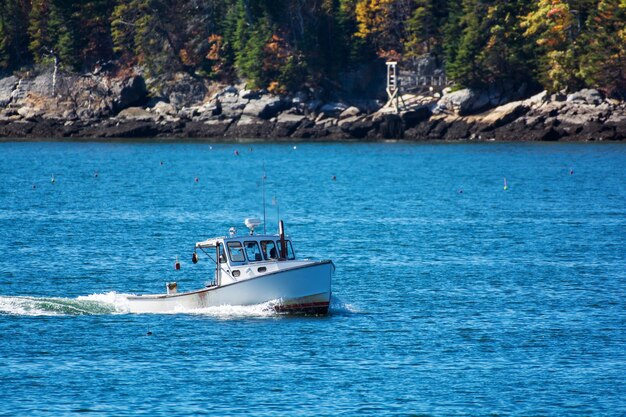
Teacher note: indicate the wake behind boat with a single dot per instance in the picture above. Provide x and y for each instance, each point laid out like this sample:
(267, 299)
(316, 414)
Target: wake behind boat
(250, 270)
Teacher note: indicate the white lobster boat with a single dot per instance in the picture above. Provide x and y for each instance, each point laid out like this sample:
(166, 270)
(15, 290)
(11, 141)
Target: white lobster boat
(250, 270)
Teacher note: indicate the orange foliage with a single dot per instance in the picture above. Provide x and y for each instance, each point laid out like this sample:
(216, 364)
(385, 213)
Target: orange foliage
(274, 87)
(216, 42)
(276, 52)
(391, 55)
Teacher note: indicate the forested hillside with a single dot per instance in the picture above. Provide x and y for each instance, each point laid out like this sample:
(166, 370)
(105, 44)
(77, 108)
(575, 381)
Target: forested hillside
(284, 44)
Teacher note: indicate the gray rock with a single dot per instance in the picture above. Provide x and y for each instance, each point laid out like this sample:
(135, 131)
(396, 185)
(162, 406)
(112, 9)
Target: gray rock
(188, 112)
(415, 116)
(289, 118)
(349, 113)
(205, 113)
(587, 95)
(29, 113)
(180, 89)
(264, 108)
(286, 124)
(463, 102)
(230, 99)
(232, 111)
(250, 127)
(504, 114)
(249, 94)
(7, 86)
(42, 84)
(348, 121)
(230, 90)
(358, 126)
(137, 114)
(129, 92)
(162, 108)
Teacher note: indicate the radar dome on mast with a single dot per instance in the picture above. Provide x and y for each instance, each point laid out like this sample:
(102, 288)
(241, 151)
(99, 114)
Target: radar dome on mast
(252, 223)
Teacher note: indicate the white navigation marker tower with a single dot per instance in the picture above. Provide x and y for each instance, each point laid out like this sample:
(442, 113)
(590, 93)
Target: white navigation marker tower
(393, 87)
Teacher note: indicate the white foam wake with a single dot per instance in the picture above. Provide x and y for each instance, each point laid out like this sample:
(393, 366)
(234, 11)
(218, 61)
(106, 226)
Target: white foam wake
(54, 306)
(338, 307)
(117, 303)
(231, 312)
(117, 300)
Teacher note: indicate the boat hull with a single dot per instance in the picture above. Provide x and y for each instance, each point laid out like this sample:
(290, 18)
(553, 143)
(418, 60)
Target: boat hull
(302, 289)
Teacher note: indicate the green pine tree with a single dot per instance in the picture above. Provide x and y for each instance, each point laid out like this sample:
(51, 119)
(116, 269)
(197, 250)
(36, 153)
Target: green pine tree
(604, 61)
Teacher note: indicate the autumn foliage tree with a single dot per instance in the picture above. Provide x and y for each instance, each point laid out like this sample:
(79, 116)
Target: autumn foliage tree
(290, 44)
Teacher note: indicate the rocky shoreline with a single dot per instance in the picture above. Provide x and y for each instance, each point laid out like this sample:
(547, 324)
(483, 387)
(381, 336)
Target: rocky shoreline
(98, 106)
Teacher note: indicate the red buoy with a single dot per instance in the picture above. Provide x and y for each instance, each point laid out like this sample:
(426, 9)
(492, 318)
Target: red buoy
(177, 264)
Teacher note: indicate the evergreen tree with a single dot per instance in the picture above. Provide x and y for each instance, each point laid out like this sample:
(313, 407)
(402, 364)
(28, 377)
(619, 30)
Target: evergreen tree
(506, 56)
(52, 32)
(13, 33)
(38, 29)
(5, 39)
(466, 68)
(604, 63)
(452, 33)
(250, 57)
(140, 35)
(421, 30)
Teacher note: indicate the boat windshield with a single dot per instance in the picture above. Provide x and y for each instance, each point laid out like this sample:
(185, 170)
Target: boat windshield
(252, 251)
(235, 252)
(268, 247)
(290, 254)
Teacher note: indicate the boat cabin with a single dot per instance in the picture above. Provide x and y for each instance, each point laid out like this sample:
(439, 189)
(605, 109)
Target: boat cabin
(240, 257)
(243, 250)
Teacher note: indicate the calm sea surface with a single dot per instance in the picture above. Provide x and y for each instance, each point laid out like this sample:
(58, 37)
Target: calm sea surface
(452, 295)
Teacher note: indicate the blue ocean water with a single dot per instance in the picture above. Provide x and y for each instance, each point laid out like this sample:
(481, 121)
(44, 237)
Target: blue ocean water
(452, 296)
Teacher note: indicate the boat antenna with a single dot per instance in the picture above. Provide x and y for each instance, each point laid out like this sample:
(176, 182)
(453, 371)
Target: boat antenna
(263, 187)
(275, 203)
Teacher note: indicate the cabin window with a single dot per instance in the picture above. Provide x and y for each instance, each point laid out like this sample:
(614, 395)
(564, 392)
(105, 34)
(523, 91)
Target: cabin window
(253, 252)
(236, 252)
(290, 254)
(268, 248)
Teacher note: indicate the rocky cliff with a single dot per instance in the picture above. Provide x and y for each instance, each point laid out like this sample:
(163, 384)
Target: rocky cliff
(100, 106)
